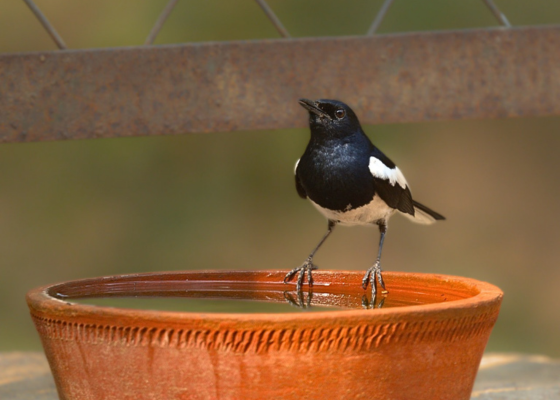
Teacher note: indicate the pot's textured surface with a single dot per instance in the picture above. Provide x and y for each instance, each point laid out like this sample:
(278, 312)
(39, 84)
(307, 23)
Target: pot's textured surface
(427, 351)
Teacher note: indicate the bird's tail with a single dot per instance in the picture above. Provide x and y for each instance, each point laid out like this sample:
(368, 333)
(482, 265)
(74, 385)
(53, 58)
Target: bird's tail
(423, 215)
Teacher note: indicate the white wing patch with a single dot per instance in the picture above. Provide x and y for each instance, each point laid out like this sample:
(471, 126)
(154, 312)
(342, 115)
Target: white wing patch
(295, 168)
(381, 171)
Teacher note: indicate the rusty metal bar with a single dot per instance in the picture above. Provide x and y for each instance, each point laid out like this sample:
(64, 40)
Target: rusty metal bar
(160, 21)
(233, 86)
(379, 17)
(500, 16)
(273, 18)
(46, 24)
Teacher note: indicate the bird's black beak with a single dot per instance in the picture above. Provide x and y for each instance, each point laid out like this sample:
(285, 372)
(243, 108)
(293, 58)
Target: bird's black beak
(312, 107)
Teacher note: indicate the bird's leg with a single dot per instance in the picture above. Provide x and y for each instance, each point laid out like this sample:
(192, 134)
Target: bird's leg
(375, 270)
(308, 266)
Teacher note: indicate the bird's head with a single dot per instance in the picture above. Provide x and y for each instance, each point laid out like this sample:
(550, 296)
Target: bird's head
(331, 117)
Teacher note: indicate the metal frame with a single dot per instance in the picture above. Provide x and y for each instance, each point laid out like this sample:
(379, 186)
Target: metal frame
(262, 4)
(228, 86)
(46, 24)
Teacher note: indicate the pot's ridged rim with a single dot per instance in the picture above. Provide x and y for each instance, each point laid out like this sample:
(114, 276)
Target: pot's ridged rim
(482, 298)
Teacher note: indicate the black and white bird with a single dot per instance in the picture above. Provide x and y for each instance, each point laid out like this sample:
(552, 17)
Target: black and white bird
(350, 181)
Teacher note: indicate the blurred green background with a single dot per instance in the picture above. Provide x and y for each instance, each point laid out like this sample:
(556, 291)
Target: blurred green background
(227, 200)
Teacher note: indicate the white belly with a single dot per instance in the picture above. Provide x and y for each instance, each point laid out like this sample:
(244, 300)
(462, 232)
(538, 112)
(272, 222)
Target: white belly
(372, 212)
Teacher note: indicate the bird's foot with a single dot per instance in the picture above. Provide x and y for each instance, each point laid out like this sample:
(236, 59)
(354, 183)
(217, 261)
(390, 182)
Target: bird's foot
(299, 302)
(307, 266)
(371, 275)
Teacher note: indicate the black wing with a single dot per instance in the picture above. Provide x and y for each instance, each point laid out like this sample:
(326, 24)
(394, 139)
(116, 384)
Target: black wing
(394, 195)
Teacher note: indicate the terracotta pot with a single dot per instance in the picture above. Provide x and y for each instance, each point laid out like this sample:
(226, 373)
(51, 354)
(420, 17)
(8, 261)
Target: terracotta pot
(426, 351)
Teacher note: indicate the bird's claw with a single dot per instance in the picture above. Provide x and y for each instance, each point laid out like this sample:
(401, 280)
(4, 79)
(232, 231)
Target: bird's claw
(307, 266)
(373, 274)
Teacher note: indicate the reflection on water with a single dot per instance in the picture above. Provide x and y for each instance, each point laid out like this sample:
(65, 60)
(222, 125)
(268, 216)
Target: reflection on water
(208, 305)
(231, 299)
(376, 302)
(297, 299)
(300, 300)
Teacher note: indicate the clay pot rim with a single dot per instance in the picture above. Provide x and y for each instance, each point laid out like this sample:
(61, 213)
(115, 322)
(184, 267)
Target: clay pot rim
(484, 295)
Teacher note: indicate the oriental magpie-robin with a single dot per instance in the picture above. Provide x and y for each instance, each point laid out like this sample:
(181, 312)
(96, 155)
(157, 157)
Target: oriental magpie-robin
(350, 181)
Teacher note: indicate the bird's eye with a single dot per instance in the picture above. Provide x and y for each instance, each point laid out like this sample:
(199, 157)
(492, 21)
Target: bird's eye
(340, 113)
